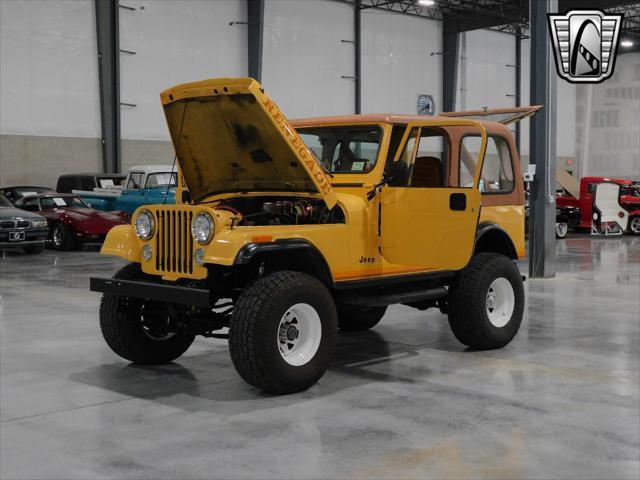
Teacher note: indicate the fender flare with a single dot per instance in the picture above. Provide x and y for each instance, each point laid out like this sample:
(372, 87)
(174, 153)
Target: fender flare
(488, 228)
(252, 250)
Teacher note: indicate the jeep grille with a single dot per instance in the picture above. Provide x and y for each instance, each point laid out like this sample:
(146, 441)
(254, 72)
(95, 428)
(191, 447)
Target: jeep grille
(174, 243)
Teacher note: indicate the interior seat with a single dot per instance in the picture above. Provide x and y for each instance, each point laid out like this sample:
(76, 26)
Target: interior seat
(427, 173)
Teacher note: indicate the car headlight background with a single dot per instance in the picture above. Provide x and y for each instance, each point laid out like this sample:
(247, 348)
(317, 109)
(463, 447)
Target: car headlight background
(145, 225)
(202, 228)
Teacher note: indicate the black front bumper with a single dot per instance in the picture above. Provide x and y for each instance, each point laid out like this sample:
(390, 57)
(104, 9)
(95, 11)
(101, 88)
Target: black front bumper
(160, 292)
(33, 236)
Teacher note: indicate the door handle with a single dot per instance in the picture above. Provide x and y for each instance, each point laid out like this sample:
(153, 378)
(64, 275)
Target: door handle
(458, 201)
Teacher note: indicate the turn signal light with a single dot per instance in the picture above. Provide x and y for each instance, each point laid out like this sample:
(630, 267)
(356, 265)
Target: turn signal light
(261, 238)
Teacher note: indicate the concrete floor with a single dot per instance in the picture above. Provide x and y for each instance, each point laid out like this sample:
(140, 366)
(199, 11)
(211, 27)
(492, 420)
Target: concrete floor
(402, 401)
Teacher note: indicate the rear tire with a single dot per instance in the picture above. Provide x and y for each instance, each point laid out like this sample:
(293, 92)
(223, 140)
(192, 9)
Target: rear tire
(355, 319)
(134, 337)
(283, 332)
(486, 302)
(35, 249)
(62, 238)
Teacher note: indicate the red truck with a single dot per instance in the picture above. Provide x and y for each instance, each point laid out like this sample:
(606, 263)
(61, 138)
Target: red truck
(629, 199)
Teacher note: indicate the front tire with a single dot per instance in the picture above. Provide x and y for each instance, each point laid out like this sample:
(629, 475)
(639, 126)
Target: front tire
(62, 238)
(144, 338)
(283, 332)
(634, 225)
(356, 319)
(486, 302)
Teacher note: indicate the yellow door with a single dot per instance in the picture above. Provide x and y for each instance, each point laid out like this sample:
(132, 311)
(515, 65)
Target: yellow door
(424, 222)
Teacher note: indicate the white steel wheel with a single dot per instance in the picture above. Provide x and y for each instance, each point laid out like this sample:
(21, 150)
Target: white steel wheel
(562, 229)
(299, 334)
(634, 225)
(500, 302)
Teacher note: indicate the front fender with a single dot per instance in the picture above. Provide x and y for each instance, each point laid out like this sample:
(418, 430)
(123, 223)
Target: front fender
(122, 241)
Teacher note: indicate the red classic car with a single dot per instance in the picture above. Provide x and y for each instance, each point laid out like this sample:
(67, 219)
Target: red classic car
(629, 200)
(71, 221)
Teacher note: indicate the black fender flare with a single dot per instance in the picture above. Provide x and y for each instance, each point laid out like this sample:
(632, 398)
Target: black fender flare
(250, 251)
(487, 230)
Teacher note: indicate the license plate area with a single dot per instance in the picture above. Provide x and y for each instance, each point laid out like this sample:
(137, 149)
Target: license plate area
(16, 236)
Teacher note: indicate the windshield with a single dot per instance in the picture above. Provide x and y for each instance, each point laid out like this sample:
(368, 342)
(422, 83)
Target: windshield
(57, 202)
(4, 203)
(344, 149)
(162, 179)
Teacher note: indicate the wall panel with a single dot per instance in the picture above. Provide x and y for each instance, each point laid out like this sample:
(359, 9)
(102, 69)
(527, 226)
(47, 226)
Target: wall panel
(304, 58)
(400, 60)
(175, 42)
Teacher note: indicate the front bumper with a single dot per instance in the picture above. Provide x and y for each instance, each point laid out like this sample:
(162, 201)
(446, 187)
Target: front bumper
(160, 292)
(31, 237)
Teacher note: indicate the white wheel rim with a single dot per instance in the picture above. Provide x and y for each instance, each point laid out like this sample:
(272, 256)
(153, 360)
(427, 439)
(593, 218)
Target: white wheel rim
(299, 334)
(561, 229)
(635, 225)
(501, 302)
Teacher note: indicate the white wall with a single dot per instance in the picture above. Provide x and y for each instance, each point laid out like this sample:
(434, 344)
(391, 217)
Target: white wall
(175, 42)
(48, 68)
(303, 57)
(397, 64)
(488, 78)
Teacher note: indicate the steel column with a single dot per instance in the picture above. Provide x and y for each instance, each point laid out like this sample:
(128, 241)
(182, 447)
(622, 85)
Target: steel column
(518, 80)
(106, 12)
(357, 32)
(449, 65)
(255, 24)
(542, 201)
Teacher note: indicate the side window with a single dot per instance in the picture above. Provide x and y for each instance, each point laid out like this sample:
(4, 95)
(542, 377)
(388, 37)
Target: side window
(31, 204)
(134, 181)
(399, 171)
(497, 169)
(430, 166)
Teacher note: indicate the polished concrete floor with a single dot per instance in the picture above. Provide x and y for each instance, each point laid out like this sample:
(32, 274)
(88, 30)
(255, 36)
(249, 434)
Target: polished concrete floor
(404, 400)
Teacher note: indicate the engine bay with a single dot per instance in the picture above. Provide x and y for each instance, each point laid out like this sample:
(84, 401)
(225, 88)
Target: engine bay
(280, 210)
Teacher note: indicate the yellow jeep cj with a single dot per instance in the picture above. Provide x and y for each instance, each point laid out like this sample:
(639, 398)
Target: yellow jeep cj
(285, 232)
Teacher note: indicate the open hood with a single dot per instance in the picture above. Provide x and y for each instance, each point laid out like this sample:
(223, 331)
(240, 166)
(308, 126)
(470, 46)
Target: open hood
(230, 137)
(499, 115)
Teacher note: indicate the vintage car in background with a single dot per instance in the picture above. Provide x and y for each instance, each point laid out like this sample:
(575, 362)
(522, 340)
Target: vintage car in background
(71, 221)
(144, 185)
(13, 194)
(18, 228)
(629, 200)
(88, 181)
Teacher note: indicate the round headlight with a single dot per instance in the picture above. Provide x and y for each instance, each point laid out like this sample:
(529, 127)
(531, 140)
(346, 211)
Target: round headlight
(145, 225)
(202, 228)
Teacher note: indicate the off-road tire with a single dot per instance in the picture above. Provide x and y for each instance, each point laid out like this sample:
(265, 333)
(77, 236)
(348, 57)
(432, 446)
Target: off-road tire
(123, 332)
(34, 249)
(356, 319)
(467, 302)
(253, 333)
(68, 241)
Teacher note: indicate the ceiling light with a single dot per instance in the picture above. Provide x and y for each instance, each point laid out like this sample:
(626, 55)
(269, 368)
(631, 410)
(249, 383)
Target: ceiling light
(426, 3)
(626, 43)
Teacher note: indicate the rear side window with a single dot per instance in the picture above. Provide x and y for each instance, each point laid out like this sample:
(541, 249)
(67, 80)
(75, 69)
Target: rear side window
(497, 170)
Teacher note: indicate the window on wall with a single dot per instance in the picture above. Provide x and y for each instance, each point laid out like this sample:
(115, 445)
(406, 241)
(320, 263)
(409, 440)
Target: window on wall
(497, 169)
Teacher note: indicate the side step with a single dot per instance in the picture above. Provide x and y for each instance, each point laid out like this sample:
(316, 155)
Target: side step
(384, 299)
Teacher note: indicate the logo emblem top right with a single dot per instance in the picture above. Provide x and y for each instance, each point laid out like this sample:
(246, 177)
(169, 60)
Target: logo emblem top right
(585, 43)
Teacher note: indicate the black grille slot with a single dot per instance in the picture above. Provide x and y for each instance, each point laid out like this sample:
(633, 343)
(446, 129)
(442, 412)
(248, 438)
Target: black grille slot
(8, 224)
(23, 223)
(174, 245)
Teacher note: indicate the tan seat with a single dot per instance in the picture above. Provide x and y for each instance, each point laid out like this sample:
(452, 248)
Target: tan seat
(427, 172)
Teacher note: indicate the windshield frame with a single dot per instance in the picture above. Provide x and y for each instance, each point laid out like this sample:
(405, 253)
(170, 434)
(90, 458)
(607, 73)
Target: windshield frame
(5, 203)
(348, 126)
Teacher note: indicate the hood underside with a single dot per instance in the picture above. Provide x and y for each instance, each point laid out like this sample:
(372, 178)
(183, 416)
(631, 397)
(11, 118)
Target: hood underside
(231, 137)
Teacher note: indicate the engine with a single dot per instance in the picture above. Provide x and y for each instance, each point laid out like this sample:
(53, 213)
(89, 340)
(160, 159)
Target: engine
(258, 211)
